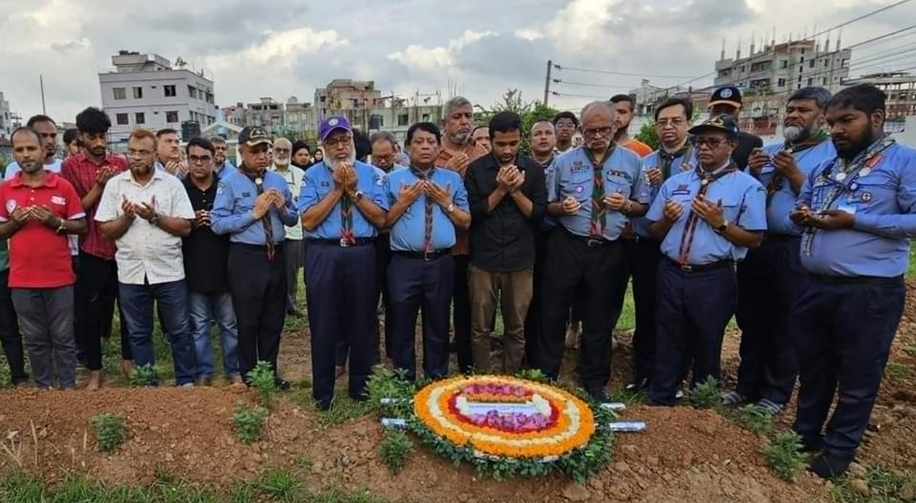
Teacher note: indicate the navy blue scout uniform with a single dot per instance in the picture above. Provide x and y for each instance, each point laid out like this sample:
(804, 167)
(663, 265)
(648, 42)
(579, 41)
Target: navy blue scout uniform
(257, 271)
(697, 289)
(644, 266)
(533, 319)
(584, 254)
(846, 316)
(340, 274)
(422, 272)
(769, 279)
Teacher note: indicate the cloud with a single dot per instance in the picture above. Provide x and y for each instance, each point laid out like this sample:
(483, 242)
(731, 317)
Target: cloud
(410, 46)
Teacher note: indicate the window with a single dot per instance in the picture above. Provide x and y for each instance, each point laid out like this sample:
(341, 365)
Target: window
(783, 63)
(810, 82)
(138, 93)
(171, 117)
(402, 119)
(120, 93)
(781, 83)
(122, 119)
(169, 91)
(811, 63)
(192, 91)
(139, 118)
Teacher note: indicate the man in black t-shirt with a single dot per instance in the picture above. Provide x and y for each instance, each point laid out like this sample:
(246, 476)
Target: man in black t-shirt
(727, 100)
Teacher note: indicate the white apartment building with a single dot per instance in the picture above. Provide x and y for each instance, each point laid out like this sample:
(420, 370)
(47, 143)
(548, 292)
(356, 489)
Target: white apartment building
(145, 91)
(6, 118)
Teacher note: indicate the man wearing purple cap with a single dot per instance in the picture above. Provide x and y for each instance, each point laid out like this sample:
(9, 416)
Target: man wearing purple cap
(342, 204)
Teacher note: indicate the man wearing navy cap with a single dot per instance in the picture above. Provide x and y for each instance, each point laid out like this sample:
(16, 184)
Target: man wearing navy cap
(253, 205)
(342, 203)
(727, 100)
(707, 218)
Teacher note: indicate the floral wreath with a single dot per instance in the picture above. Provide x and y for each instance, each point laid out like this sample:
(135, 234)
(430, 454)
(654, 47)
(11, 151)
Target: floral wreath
(506, 426)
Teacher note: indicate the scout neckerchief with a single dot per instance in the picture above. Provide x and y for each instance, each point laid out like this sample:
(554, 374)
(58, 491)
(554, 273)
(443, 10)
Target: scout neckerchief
(346, 220)
(599, 212)
(427, 210)
(666, 159)
(690, 227)
(804, 146)
(842, 182)
(258, 180)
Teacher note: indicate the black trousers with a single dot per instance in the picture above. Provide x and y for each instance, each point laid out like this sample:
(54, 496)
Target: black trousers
(258, 288)
(533, 320)
(10, 337)
(96, 293)
(584, 272)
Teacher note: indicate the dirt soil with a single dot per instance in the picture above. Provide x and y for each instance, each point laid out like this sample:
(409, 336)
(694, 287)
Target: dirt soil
(686, 455)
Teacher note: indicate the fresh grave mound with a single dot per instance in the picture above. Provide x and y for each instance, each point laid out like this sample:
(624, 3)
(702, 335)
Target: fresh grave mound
(180, 432)
(512, 426)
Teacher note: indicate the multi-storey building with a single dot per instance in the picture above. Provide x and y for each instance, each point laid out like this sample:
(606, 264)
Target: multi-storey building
(267, 113)
(144, 90)
(6, 118)
(300, 116)
(901, 92)
(347, 95)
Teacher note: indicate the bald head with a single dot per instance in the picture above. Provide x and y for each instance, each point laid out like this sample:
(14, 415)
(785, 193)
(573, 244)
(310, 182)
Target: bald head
(598, 125)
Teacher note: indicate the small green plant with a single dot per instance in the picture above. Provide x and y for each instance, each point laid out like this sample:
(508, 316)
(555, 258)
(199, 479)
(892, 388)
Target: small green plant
(278, 485)
(390, 392)
(263, 379)
(144, 375)
(395, 449)
(249, 422)
(785, 456)
(110, 431)
(705, 395)
(750, 418)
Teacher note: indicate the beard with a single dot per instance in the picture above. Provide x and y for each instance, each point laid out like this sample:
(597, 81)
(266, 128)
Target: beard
(281, 162)
(796, 133)
(31, 167)
(334, 162)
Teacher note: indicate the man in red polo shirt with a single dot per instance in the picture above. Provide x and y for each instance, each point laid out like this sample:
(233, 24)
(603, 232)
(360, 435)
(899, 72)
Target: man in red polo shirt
(39, 211)
(97, 284)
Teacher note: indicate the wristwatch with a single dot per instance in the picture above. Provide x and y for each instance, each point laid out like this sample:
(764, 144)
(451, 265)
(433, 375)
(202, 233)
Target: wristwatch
(62, 226)
(154, 220)
(358, 195)
(720, 229)
(450, 208)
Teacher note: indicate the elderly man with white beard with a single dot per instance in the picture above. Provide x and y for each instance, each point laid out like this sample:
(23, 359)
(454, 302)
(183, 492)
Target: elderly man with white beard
(342, 204)
(771, 276)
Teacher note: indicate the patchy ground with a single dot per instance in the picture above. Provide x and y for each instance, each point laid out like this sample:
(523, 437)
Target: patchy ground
(686, 455)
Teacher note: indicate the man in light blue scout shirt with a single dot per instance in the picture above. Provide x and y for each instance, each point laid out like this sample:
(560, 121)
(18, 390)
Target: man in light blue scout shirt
(858, 212)
(672, 120)
(342, 204)
(707, 218)
(591, 190)
(253, 205)
(427, 204)
(770, 277)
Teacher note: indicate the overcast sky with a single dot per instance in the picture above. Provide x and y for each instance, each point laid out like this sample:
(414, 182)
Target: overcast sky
(288, 47)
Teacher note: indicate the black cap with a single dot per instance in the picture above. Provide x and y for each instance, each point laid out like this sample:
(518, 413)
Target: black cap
(254, 135)
(723, 122)
(728, 95)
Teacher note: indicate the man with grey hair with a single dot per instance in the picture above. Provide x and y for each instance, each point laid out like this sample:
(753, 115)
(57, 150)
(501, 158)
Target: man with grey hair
(292, 245)
(771, 275)
(457, 152)
(591, 191)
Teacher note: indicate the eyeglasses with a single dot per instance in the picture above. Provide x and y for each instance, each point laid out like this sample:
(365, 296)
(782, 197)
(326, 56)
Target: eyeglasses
(341, 141)
(713, 143)
(595, 131)
(281, 150)
(675, 122)
(199, 159)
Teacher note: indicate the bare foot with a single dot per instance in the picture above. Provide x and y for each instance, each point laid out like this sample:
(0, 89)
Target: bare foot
(339, 371)
(127, 367)
(95, 380)
(572, 338)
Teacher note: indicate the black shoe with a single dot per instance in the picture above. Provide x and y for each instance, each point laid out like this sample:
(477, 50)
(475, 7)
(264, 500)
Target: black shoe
(638, 384)
(323, 404)
(812, 444)
(281, 384)
(599, 394)
(829, 466)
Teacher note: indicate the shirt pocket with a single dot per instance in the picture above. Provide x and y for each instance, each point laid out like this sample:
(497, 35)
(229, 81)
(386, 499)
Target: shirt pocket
(732, 206)
(869, 190)
(618, 181)
(578, 187)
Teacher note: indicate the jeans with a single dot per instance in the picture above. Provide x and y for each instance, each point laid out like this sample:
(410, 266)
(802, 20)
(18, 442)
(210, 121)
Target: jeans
(172, 300)
(10, 336)
(203, 308)
(46, 320)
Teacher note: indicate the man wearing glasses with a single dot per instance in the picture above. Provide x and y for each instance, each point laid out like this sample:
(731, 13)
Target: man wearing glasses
(254, 205)
(591, 191)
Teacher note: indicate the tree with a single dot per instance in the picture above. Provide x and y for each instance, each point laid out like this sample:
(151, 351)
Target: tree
(648, 135)
(529, 111)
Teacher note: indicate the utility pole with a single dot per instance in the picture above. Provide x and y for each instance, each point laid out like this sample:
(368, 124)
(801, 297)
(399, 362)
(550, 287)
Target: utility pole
(41, 84)
(547, 82)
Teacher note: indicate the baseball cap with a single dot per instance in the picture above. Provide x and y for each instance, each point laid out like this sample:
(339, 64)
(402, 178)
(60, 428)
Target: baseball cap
(722, 122)
(254, 135)
(332, 124)
(728, 95)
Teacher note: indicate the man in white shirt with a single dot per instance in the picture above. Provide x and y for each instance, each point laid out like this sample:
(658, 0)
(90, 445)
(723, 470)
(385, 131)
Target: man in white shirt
(292, 246)
(146, 212)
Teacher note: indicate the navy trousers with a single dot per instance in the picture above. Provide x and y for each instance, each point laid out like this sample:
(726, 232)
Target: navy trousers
(340, 291)
(769, 281)
(533, 319)
(415, 283)
(644, 257)
(843, 328)
(694, 307)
